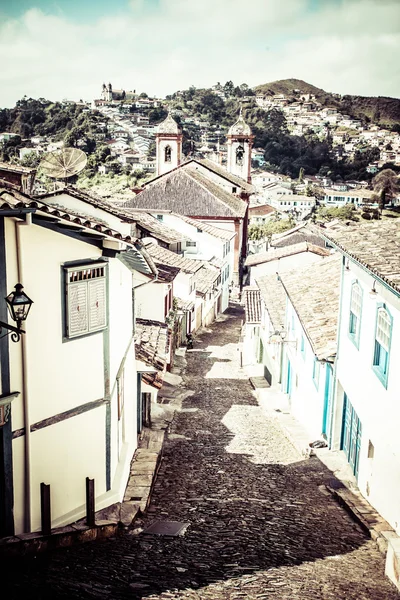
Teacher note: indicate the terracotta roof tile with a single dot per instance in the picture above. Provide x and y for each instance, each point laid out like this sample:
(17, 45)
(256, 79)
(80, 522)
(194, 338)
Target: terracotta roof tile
(166, 257)
(275, 254)
(314, 293)
(252, 304)
(375, 245)
(273, 296)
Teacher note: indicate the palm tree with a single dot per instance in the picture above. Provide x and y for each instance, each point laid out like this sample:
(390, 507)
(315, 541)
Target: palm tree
(386, 184)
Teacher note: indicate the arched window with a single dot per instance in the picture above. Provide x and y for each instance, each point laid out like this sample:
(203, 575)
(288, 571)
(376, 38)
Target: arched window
(239, 155)
(167, 154)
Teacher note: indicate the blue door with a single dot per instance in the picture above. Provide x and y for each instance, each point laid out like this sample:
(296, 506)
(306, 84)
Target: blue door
(327, 415)
(351, 435)
(289, 379)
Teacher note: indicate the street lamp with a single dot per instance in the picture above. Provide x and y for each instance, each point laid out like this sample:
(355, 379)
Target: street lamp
(19, 305)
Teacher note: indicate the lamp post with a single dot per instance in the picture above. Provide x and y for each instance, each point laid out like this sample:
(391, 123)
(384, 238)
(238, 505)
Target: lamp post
(19, 305)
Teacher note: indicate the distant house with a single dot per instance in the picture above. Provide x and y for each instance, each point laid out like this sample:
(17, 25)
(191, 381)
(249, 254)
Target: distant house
(294, 203)
(356, 197)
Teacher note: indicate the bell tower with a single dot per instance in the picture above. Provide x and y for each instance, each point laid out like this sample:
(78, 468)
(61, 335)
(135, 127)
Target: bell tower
(240, 142)
(168, 146)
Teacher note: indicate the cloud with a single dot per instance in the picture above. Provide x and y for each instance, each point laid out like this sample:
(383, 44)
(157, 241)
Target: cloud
(346, 46)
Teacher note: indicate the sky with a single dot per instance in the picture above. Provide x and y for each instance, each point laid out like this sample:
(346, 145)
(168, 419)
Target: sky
(60, 49)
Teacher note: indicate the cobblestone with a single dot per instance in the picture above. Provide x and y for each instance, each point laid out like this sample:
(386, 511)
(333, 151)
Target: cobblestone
(259, 525)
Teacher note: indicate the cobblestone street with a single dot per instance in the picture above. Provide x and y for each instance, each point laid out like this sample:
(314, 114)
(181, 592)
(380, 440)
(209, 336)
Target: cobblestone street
(261, 523)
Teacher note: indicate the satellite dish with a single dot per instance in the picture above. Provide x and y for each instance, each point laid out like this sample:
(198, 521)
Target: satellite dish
(63, 164)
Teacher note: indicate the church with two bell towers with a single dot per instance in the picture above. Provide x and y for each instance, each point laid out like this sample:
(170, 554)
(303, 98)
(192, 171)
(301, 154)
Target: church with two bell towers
(239, 143)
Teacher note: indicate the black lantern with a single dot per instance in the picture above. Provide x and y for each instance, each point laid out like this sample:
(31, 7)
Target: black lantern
(19, 304)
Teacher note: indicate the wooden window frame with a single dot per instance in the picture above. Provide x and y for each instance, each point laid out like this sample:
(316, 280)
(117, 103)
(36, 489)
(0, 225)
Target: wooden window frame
(86, 284)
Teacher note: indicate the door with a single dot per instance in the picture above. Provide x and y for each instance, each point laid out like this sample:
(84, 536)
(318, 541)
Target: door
(289, 379)
(351, 435)
(327, 414)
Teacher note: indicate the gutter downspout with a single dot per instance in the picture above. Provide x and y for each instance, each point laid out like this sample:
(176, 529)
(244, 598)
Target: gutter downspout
(25, 386)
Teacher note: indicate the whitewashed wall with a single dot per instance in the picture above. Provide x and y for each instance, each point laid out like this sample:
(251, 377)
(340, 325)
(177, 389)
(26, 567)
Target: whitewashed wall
(378, 408)
(306, 400)
(64, 374)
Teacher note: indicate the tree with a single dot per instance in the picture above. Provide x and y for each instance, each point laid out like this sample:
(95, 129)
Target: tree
(301, 175)
(386, 184)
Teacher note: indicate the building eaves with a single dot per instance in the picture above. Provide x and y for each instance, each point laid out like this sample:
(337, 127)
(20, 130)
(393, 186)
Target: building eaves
(151, 225)
(217, 232)
(91, 199)
(218, 170)
(205, 278)
(278, 253)
(17, 168)
(314, 293)
(162, 256)
(16, 200)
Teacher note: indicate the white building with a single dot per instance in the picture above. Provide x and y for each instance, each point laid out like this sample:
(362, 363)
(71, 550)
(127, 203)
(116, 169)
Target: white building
(366, 412)
(69, 389)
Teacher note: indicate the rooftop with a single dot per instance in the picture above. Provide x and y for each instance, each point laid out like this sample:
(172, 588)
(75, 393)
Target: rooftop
(274, 297)
(252, 304)
(166, 257)
(155, 227)
(205, 278)
(16, 168)
(222, 172)
(276, 254)
(152, 347)
(218, 232)
(189, 193)
(375, 245)
(314, 293)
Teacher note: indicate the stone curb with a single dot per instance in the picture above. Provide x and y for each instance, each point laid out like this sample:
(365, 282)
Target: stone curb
(110, 521)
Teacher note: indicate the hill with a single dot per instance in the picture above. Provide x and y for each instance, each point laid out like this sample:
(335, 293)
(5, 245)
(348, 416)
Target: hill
(381, 110)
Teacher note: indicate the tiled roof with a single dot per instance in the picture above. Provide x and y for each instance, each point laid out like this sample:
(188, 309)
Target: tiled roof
(261, 209)
(188, 193)
(375, 245)
(218, 232)
(274, 297)
(264, 257)
(16, 168)
(296, 235)
(231, 201)
(252, 304)
(166, 274)
(91, 199)
(314, 293)
(152, 347)
(77, 220)
(166, 257)
(218, 170)
(205, 278)
(155, 227)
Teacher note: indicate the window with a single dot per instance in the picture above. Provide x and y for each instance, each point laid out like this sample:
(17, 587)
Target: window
(355, 313)
(191, 244)
(383, 336)
(239, 155)
(85, 299)
(316, 369)
(167, 154)
(302, 346)
(234, 190)
(160, 217)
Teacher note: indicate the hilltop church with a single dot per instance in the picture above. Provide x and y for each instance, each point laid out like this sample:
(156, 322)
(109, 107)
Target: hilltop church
(109, 95)
(201, 188)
